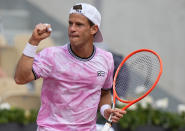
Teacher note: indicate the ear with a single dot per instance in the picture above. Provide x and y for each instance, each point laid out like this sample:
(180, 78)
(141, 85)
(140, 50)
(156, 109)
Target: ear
(94, 29)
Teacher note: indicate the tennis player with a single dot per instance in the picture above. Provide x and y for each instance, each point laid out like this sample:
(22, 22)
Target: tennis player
(77, 77)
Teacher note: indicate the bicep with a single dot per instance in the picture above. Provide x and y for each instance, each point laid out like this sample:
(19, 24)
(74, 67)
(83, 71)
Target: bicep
(31, 77)
(23, 73)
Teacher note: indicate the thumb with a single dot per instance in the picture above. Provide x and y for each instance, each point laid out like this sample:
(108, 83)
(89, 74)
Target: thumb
(107, 112)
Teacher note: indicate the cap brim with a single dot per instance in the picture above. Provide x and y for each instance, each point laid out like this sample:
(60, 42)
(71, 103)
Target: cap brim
(98, 37)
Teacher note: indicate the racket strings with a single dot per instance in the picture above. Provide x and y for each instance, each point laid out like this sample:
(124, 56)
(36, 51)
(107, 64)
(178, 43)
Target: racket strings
(137, 75)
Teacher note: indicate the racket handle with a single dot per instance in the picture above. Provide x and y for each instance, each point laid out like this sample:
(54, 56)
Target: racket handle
(106, 127)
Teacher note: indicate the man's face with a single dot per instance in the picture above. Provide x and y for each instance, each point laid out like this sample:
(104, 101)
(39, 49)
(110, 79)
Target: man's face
(79, 29)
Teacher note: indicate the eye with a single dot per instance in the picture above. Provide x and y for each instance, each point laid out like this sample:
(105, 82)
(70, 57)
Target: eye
(70, 23)
(79, 24)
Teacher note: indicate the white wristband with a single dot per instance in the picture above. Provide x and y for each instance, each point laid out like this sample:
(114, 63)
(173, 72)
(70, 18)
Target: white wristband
(103, 108)
(30, 50)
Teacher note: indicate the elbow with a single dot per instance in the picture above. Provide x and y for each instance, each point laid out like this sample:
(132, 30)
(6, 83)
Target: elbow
(18, 81)
(23, 78)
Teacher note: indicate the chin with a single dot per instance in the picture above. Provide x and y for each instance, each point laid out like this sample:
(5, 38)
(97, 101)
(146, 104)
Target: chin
(74, 42)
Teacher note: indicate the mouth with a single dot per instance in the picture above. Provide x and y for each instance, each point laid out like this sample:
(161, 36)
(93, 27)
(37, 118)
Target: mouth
(73, 36)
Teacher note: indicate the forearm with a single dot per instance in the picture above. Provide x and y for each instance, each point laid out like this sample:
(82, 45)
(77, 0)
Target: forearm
(23, 73)
(105, 98)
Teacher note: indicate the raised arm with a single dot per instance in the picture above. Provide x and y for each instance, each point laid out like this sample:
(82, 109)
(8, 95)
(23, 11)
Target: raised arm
(23, 73)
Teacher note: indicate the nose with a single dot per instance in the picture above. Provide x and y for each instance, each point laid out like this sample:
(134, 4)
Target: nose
(72, 28)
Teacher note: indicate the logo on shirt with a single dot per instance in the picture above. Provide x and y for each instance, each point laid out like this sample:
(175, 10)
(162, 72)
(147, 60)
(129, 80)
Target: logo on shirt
(101, 73)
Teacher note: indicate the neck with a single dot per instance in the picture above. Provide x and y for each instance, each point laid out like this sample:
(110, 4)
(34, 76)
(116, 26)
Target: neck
(84, 51)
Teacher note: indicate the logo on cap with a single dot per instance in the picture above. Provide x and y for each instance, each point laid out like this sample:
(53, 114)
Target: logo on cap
(78, 8)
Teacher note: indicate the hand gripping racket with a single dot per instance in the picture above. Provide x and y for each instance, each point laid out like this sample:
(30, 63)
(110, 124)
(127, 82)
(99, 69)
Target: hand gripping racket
(140, 70)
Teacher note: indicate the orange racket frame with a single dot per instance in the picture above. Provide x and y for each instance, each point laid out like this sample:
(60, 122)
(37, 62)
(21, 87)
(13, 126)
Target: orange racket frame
(115, 96)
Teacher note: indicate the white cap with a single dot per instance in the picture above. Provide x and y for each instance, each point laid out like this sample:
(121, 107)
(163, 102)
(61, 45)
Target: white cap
(92, 14)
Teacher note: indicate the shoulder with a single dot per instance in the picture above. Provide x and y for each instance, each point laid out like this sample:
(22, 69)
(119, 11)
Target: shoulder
(105, 57)
(104, 53)
(52, 51)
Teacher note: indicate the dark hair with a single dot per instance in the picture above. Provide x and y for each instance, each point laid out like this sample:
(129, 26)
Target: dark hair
(90, 22)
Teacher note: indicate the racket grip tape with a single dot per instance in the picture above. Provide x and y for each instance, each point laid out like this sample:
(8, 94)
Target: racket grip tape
(106, 127)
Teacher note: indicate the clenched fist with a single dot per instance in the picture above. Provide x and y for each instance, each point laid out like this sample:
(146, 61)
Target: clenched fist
(41, 32)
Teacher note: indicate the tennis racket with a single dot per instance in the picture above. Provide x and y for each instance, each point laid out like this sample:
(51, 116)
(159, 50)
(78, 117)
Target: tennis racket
(140, 70)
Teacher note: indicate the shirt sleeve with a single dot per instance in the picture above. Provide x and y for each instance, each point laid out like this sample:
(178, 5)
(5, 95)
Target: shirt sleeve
(43, 63)
(109, 79)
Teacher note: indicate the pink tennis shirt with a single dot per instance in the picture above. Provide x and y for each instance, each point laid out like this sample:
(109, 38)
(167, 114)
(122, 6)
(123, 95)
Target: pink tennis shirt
(71, 87)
